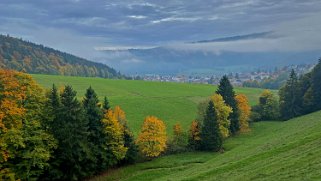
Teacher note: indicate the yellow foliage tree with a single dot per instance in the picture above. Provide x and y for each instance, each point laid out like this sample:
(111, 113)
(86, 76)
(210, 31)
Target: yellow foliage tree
(115, 136)
(152, 139)
(120, 115)
(194, 138)
(177, 128)
(222, 112)
(245, 112)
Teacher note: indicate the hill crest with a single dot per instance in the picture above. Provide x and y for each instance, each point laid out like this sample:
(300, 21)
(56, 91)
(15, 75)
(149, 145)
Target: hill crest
(25, 56)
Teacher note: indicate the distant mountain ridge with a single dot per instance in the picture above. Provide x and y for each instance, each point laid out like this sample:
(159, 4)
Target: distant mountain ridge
(167, 60)
(21, 55)
(239, 37)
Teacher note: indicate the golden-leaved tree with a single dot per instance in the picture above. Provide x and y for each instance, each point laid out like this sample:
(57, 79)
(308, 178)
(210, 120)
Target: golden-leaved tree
(152, 139)
(244, 112)
(222, 113)
(115, 137)
(129, 142)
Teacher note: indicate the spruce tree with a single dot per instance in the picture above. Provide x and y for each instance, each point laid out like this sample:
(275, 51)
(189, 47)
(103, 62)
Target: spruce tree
(132, 152)
(96, 137)
(71, 133)
(106, 105)
(225, 89)
(304, 84)
(290, 100)
(316, 86)
(211, 138)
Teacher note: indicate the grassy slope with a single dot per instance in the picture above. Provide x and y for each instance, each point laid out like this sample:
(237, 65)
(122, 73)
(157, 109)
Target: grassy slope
(272, 151)
(171, 102)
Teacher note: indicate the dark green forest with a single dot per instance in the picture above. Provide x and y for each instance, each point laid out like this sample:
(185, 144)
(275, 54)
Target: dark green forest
(20, 55)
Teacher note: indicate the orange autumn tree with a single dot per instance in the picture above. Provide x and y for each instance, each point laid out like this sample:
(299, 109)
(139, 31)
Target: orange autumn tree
(194, 137)
(177, 128)
(179, 141)
(245, 112)
(152, 139)
(120, 115)
(25, 147)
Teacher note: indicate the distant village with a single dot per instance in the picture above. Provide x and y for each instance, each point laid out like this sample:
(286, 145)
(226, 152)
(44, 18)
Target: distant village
(237, 78)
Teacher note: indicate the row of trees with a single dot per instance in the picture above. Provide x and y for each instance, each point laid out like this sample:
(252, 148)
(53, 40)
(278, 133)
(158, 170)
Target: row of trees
(54, 136)
(224, 114)
(302, 95)
(299, 96)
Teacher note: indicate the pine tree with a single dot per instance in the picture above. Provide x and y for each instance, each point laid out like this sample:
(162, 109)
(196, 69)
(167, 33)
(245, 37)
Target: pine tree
(225, 89)
(290, 99)
(211, 138)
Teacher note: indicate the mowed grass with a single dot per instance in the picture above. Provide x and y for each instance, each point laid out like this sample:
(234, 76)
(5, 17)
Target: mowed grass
(171, 102)
(288, 150)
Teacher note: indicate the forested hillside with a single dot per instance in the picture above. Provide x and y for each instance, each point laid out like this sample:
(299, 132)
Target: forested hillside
(28, 57)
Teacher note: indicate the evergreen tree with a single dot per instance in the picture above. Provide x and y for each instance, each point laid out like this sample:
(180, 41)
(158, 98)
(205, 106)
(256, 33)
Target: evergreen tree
(211, 138)
(52, 106)
(225, 89)
(70, 130)
(106, 104)
(129, 143)
(96, 137)
(290, 99)
(316, 86)
(304, 86)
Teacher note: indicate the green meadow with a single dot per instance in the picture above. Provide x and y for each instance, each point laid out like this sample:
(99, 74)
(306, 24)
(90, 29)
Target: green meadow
(171, 102)
(271, 151)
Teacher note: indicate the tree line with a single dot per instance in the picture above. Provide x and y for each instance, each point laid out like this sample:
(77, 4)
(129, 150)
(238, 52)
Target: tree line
(24, 56)
(51, 135)
(300, 95)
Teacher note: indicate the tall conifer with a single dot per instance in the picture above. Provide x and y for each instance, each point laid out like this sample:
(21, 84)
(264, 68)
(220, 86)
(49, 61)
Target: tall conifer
(290, 100)
(71, 133)
(211, 138)
(316, 86)
(96, 137)
(225, 89)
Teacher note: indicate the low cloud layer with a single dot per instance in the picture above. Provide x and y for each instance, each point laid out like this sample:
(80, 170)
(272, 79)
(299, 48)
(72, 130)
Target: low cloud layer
(85, 27)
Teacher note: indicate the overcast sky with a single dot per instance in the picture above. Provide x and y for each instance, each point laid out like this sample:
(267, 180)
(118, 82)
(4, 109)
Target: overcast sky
(83, 27)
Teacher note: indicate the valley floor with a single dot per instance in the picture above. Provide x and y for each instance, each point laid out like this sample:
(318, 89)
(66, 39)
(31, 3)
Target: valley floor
(288, 150)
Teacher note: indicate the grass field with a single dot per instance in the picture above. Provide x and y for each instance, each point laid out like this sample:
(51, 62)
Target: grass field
(272, 151)
(171, 102)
